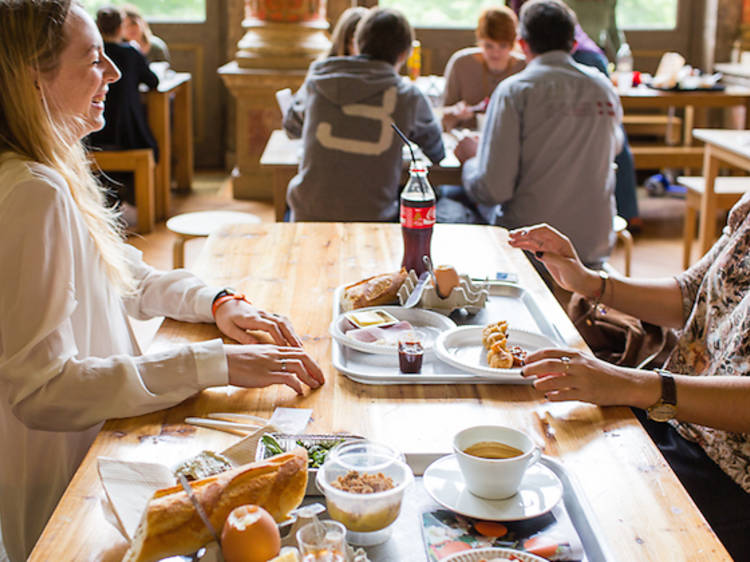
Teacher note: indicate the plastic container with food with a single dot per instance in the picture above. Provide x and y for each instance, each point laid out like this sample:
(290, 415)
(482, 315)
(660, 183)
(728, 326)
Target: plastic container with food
(364, 483)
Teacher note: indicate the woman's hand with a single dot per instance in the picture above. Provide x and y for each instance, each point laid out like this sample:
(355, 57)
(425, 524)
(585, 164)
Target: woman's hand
(235, 317)
(454, 115)
(567, 374)
(255, 366)
(556, 252)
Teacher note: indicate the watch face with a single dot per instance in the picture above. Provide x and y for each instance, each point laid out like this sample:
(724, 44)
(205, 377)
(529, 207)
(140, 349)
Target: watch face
(662, 412)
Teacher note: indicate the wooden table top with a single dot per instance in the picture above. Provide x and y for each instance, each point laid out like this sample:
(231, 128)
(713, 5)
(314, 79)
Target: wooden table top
(293, 269)
(735, 141)
(281, 151)
(643, 96)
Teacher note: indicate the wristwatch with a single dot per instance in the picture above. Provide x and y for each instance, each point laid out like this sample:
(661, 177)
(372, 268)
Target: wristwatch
(666, 407)
(225, 292)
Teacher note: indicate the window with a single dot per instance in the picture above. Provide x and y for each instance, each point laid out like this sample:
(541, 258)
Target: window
(441, 13)
(157, 10)
(631, 14)
(647, 14)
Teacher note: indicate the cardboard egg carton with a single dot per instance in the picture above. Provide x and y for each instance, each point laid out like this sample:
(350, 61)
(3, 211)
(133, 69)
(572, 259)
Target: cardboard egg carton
(467, 295)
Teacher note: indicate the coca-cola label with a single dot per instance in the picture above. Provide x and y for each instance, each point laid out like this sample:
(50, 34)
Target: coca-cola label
(417, 217)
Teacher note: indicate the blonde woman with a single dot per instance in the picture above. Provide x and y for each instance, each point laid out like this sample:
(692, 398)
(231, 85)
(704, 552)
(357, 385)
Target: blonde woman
(137, 31)
(68, 359)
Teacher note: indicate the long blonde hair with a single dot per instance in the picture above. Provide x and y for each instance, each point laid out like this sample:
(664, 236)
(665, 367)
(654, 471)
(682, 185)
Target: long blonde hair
(32, 33)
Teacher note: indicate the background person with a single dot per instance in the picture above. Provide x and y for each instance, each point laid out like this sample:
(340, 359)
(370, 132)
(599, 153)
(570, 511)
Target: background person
(472, 74)
(352, 159)
(138, 32)
(550, 139)
(126, 124)
(708, 434)
(342, 38)
(68, 357)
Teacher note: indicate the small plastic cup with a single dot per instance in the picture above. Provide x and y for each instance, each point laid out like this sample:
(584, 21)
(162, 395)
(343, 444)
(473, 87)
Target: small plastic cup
(322, 541)
(410, 353)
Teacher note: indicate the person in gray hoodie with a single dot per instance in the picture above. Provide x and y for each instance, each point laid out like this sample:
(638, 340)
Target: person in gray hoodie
(352, 160)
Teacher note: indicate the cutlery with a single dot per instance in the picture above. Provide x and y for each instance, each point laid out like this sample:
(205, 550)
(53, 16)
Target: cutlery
(230, 415)
(416, 294)
(223, 425)
(428, 264)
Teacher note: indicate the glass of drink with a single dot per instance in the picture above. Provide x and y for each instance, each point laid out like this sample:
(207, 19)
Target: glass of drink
(410, 353)
(322, 541)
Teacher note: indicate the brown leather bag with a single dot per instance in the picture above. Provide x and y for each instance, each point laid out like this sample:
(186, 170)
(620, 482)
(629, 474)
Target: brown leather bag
(619, 338)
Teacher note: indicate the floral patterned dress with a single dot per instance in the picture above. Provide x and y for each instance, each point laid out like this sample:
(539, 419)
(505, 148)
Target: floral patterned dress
(716, 338)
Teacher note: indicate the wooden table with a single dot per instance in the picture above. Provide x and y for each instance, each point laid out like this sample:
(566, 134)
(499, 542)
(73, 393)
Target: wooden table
(175, 134)
(722, 146)
(687, 155)
(293, 269)
(282, 156)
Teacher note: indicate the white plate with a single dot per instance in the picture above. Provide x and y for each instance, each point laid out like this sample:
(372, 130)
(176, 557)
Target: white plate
(540, 490)
(463, 348)
(429, 325)
(491, 552)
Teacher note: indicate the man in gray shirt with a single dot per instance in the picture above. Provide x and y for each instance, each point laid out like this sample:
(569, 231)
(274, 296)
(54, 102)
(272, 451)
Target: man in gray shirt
(550, 139)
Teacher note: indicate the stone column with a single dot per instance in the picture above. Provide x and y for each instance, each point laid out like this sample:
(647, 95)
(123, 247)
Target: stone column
(281, 38)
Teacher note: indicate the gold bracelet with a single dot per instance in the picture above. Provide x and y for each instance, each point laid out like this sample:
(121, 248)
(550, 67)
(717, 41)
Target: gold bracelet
(599, 295)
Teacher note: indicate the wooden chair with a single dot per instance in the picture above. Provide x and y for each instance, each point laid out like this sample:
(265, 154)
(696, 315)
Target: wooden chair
(141, 163)
(653, 125)
(623, 235)
(199, 224)
(727, 191)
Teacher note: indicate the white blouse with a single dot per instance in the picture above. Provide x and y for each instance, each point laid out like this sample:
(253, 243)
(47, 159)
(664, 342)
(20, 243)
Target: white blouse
(68, 357)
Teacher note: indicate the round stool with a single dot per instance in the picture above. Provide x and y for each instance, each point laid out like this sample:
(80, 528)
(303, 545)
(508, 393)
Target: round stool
(621, 229)
(201, 223)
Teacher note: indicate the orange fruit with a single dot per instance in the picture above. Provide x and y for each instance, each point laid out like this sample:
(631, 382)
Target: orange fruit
(250, 535)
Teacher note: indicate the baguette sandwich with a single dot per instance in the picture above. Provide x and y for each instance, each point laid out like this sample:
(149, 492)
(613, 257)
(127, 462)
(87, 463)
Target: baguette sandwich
(171, 525)
(373, 291)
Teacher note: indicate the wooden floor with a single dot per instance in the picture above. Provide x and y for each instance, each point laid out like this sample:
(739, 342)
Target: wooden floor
(657, 251)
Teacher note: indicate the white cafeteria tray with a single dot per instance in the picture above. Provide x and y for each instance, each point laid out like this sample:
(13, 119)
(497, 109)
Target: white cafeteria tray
(507, 301)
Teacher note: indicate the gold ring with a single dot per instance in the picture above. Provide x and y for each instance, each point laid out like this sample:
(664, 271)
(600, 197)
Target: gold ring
(283, 364)
(566, 363)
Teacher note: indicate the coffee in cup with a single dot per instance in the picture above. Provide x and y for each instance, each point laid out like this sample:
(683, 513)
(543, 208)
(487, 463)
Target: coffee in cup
(493, 459)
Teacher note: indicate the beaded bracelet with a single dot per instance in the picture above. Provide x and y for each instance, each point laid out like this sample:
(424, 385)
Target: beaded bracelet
(221, 300)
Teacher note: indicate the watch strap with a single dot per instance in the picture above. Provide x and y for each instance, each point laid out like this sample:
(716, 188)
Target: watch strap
(668, 387)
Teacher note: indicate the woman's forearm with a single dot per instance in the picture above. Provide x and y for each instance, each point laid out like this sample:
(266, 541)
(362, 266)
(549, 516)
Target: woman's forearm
(658, 301)
(721, 402)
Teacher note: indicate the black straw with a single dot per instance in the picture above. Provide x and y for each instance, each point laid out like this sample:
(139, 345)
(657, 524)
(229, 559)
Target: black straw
(406, 142)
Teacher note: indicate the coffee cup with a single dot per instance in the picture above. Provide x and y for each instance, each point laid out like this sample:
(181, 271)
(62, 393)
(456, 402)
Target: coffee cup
(505, 452)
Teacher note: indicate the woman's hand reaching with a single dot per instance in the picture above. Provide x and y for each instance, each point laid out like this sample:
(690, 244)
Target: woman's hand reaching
(567, 374)
(235, 317)
(255, 366)
(556, 252)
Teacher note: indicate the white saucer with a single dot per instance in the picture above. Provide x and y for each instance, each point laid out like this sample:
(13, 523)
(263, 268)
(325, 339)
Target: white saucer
(540, 491)
(462, 348)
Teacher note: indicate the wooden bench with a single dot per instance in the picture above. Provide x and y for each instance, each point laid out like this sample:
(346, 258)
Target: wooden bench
(657, 157)
(659, 125)
(727, 191)
(141, 163)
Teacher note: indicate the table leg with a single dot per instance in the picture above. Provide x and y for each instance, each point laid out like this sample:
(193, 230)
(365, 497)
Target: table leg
(707, 225)
(144, 194)
(183, 136)
(281, 179)
(158, 120)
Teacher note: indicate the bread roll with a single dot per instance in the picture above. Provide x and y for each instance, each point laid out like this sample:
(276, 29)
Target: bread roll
(373, 291)
(171, 525)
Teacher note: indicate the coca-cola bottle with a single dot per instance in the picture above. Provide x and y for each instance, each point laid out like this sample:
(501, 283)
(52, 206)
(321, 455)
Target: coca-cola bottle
(417, 218)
